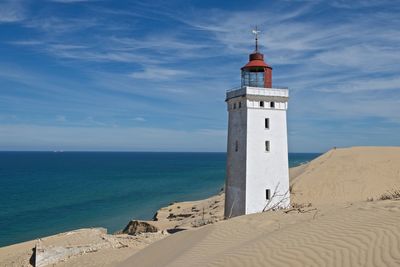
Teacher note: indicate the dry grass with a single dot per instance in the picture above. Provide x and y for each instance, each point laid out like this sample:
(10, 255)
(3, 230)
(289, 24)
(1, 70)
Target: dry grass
(391, 194)
(301, 206)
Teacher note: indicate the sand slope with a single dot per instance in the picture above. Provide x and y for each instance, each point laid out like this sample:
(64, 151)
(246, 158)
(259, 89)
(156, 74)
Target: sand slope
(347, 175)
(363, 234)
(341, 228)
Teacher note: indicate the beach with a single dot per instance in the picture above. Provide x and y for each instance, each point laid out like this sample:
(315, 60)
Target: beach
(345, 209)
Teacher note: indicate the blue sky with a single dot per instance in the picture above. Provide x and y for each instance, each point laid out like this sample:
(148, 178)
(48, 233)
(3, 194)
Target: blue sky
(151, 75)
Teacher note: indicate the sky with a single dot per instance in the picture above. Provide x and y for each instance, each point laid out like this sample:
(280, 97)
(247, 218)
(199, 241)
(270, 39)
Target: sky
(107, 75)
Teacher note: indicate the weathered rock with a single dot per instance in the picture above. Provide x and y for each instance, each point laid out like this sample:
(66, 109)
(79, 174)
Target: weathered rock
(182, 215)
(72, 244)
(135, 227)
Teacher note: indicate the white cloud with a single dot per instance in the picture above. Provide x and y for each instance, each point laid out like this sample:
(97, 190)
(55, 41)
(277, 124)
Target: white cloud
(362, 57)
(27, 42)
(100, 56)
(61, 118)
(364, 84)
(383, 108)
(159, 73)
(140, 119)
(57, 26)
(12, 11)
(357, 4)
(91, 121)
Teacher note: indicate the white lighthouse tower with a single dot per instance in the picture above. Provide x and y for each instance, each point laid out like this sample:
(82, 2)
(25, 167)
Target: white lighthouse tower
(257, 161)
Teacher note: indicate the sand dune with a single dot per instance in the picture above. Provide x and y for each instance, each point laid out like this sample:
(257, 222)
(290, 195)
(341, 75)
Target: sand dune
(341, 228)
(347, 175)
(364, 234)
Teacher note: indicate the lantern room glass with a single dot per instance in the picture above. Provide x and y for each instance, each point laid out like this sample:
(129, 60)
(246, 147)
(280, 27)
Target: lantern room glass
(253, 78)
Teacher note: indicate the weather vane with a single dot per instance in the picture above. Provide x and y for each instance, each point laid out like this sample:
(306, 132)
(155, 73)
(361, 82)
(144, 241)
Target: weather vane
(255, 31)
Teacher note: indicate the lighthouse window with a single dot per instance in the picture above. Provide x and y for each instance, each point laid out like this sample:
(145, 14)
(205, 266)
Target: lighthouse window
(272, 104)
(236, 146)
(267, 148)
(267, 194)
(266, 123)
(240, 104)
(234, 105)
(261, 103)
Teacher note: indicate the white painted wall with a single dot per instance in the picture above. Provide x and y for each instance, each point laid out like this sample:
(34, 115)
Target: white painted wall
(266, 170)
(252, 170)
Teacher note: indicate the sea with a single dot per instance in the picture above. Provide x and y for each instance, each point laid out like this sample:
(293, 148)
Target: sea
(44, 193)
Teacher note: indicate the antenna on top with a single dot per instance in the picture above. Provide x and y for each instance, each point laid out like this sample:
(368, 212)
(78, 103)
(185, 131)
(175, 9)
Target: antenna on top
(255, 31)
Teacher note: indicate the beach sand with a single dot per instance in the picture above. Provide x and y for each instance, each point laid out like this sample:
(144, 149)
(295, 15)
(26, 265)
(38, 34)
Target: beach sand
(347, 175)
(362, 234)
(337, 219)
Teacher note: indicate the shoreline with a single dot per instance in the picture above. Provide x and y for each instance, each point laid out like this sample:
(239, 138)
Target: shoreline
(339, 180)
(119, 207)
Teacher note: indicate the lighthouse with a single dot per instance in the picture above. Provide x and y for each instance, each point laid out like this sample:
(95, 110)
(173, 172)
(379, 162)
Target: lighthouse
(257, 177)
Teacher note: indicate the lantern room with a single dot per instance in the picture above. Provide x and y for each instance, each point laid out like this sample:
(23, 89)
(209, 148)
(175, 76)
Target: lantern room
(257, 73)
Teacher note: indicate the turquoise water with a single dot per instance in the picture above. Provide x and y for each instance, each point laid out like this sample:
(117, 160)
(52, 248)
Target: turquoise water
(43, 193)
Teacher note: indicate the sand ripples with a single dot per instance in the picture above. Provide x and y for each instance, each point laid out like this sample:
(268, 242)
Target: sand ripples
(365, 234)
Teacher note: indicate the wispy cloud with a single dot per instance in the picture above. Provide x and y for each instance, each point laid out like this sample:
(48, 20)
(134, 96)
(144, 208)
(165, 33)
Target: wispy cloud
(366, 84)
(362, 57)
(56, 26)
(157, 73)
(140, 119)
(12, 11)
(27, 42)
(61, 118)
(357, 4)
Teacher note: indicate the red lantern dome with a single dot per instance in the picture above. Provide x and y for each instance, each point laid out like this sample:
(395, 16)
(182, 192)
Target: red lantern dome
(257, 73)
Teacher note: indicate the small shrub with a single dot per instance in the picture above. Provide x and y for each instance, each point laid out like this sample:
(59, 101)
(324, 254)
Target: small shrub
(301, 206)
(391, 194)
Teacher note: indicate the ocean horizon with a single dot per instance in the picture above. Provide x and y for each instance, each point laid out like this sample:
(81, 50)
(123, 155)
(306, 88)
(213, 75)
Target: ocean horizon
(45, 193)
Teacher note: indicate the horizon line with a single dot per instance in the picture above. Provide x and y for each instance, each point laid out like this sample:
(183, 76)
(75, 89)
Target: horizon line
(122, 151)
